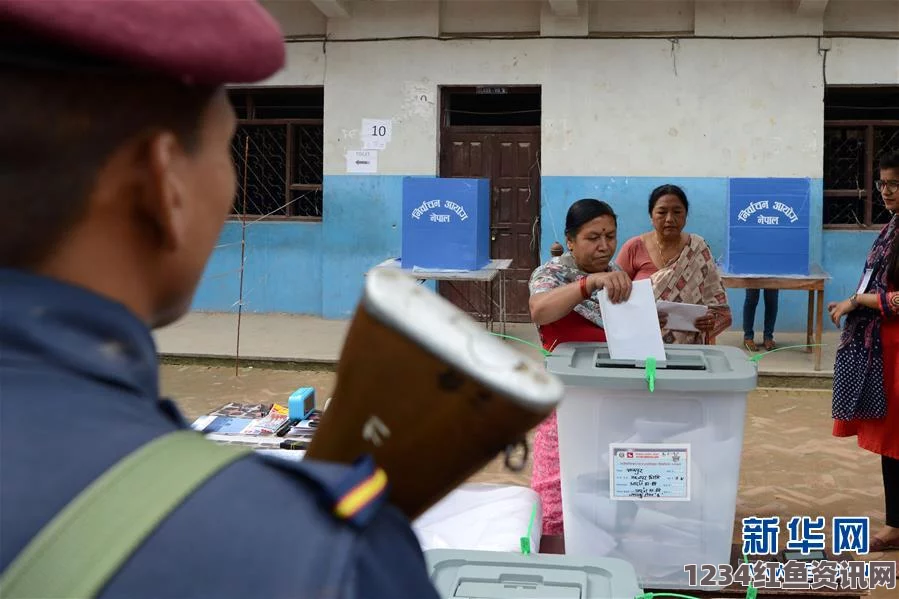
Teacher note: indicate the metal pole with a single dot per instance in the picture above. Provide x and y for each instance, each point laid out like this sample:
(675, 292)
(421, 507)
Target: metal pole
(243, 245)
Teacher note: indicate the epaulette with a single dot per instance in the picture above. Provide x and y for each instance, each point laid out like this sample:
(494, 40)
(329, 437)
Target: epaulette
(361, 492)
(353, 493)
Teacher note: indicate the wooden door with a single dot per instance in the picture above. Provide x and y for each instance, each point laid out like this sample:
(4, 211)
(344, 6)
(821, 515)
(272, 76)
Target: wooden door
(509, 157)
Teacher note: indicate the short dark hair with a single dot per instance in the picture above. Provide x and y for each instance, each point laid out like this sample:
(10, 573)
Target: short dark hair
(58, 128)
(668, 189)
(890, 160)
(583, 211)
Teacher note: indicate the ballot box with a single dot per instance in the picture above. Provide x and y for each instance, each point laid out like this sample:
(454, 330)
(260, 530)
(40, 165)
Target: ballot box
(446, 223)
(458, 574)
(650, 475)
(768, 227)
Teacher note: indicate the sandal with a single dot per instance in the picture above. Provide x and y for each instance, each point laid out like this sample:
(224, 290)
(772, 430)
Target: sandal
(769, 344)
(750, 345)
(878, 545)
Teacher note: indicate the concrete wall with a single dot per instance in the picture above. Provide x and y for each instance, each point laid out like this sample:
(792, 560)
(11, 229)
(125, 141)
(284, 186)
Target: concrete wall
(619, 117)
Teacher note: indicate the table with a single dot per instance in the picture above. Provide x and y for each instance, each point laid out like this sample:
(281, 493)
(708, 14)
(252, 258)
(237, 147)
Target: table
(485, 275)
(813, 283)
(555, 544)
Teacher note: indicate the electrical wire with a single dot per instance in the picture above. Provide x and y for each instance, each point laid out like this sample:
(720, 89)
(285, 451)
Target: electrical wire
(324, 39)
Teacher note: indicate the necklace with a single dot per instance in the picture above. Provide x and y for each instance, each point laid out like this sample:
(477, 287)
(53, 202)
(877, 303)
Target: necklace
(663, 251)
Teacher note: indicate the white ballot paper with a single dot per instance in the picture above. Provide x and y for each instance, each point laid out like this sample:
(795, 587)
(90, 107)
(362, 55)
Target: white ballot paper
(681, 316)
(632, 327)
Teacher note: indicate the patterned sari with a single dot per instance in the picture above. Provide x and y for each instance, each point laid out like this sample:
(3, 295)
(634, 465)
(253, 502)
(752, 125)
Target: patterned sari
(693, 278)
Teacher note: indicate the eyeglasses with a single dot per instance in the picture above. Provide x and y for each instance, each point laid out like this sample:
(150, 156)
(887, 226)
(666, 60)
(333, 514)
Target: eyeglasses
(892, 186)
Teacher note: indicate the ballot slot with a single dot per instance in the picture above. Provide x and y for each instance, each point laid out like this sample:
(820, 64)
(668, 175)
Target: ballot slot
(674, 361)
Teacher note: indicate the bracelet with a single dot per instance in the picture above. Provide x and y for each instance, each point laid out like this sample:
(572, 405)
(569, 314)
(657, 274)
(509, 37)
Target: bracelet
(583, 284)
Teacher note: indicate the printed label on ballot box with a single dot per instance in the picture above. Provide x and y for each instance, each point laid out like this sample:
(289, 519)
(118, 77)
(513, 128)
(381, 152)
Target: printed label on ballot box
(650, 472)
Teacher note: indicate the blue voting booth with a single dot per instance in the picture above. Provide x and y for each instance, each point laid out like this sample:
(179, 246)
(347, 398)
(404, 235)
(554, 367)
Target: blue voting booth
(446, 223)
(768, 227)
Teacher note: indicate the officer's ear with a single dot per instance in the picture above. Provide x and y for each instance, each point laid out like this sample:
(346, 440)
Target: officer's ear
(163, 198)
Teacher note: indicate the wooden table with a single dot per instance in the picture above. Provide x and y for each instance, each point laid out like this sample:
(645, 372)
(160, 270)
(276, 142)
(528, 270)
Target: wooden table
(813, 283)
(556, 544)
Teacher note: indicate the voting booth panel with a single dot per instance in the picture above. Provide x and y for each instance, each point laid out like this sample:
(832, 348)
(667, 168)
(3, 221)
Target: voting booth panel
(651, 477)
(768, 227)
(446, 223)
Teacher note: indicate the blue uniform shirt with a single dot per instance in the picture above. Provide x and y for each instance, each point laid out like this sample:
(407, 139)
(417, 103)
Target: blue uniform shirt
(79, 391)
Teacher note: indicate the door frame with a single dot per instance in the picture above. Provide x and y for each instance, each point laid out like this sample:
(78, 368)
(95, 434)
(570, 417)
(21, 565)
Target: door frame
(445, 130)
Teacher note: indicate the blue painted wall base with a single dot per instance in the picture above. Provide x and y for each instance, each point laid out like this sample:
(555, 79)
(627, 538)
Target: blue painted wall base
(319, 268)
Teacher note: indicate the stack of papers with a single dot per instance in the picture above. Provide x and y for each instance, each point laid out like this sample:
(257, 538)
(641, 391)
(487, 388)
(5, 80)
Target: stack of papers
(681, 316)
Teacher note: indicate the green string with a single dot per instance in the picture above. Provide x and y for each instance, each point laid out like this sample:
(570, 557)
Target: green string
(534, 345)
(653, 595)
(761, 355)
(751, 592)
(651, 377)
(526, 541)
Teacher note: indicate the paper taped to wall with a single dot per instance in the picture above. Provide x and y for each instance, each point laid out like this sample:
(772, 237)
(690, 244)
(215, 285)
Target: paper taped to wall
(362, 161)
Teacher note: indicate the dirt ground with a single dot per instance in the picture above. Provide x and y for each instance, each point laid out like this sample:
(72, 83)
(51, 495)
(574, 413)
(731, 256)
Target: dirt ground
(791, 465)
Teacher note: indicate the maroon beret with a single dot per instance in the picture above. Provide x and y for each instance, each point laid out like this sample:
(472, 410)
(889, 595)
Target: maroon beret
(208, 42)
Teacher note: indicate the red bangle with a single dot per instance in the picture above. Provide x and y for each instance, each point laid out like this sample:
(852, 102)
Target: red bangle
(584, 292)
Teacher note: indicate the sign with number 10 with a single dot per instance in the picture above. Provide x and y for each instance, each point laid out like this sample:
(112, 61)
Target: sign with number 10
(381, 129)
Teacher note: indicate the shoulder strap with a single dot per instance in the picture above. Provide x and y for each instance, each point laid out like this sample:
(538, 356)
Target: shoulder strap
(79, 551)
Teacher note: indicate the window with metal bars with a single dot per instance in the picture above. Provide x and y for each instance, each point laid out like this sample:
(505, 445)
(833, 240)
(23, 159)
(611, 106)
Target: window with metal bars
(861, 124)
(278, 152)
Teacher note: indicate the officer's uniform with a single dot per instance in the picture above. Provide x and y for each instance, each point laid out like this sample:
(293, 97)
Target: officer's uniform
(79, 383)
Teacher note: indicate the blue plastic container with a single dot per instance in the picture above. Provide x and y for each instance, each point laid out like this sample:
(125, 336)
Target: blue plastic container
(768, 227)
(301, 403)
(446, 223)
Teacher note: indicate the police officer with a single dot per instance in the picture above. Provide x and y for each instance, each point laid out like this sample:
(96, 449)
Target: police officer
(115, 179)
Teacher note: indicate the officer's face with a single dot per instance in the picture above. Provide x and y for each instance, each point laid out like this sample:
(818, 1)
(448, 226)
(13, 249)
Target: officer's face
(204, 184)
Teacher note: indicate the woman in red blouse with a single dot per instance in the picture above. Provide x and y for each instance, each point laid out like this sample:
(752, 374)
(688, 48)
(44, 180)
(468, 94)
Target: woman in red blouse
(564, 308)
(866, 372)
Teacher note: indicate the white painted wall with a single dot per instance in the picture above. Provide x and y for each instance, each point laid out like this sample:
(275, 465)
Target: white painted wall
(861, 16)
(751, 17)
(611, 107)
(506, 16)
(700, 107)
(863, 62)
(645, 16)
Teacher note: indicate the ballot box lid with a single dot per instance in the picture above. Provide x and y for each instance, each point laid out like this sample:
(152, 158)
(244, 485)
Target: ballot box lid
(461, 574)
(699, 368)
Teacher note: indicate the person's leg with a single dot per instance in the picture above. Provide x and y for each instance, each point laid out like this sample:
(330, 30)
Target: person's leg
(749, 306)
(890, 467)
(546, 475)
(888, 537)
(771, 301)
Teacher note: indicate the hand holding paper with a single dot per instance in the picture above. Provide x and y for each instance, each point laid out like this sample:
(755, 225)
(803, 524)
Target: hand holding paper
(681, 317)
(616, 284)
